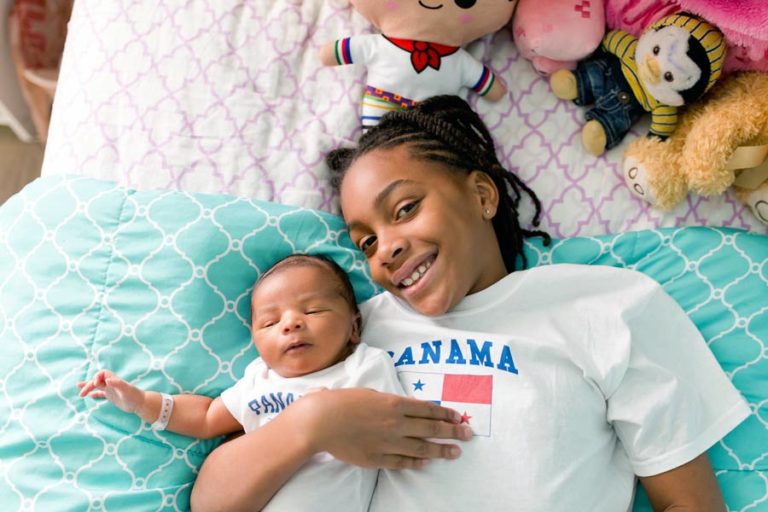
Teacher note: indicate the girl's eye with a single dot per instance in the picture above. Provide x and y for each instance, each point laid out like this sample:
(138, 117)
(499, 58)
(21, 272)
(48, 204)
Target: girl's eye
(315, 311)
(366, 243)
(668, 76)
(656, 50)
(267, 324)
(405, 210)
(465, 4)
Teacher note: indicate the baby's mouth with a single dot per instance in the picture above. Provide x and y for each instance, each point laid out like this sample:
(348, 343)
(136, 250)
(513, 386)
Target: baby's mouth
(299, 345)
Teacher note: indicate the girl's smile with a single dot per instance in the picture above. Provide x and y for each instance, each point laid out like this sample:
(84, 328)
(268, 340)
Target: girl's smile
(409, 216)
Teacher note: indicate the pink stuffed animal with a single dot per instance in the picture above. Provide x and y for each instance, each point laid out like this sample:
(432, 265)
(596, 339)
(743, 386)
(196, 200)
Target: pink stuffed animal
(418, 53)
(555, 34)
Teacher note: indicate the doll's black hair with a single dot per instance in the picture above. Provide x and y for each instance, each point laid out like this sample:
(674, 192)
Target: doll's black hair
(445, 129)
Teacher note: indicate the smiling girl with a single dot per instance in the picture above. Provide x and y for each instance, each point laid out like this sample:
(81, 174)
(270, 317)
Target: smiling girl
(575, 380)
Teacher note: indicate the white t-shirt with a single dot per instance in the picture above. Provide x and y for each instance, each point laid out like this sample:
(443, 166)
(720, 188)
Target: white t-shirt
(323, 483)
(574, 379)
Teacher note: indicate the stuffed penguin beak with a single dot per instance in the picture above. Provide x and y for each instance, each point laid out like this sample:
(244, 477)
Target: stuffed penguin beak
(650, 71)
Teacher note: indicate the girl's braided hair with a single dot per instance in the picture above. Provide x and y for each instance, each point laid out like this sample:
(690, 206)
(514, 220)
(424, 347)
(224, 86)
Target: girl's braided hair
(445, 129)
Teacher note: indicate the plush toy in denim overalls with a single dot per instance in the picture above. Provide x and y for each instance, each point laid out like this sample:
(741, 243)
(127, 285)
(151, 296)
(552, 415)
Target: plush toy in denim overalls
(673, 63)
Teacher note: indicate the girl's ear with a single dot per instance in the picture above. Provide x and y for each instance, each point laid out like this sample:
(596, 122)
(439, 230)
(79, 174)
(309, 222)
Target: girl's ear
(486, 191)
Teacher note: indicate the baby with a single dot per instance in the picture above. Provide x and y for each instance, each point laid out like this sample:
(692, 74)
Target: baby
(306, 327)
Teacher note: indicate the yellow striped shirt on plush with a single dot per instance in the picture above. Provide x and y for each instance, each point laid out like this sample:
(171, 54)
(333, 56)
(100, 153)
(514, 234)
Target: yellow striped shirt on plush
(623, 45)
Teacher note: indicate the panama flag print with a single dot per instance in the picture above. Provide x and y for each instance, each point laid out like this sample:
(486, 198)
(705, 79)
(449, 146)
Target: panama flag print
(470, 395)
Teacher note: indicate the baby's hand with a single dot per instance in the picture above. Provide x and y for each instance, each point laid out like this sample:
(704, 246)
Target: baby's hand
(106, 384)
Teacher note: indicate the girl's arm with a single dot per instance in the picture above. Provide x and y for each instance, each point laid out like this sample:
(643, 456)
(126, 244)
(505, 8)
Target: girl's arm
(358, 426)
(193, 415)
(690, 487)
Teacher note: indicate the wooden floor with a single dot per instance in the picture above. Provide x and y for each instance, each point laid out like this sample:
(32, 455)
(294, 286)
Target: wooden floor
(19, 163)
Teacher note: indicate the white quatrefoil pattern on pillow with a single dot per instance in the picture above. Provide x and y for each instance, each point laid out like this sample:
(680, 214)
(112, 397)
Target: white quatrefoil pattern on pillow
(155, 285)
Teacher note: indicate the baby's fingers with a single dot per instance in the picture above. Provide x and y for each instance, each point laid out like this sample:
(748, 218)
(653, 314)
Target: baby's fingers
(86, 387)
(98, 381)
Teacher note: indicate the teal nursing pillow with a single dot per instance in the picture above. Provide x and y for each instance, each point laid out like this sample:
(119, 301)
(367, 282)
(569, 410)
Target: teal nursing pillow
(152, 285)
(155, 285)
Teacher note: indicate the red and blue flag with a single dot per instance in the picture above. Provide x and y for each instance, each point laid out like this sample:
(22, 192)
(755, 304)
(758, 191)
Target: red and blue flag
(470, 395)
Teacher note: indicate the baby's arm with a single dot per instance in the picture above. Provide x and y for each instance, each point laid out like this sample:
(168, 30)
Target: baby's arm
(193, 415)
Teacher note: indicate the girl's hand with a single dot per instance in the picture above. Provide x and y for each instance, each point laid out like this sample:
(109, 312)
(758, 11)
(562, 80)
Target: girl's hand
(358, 426)
(379, 430)
(106, 384)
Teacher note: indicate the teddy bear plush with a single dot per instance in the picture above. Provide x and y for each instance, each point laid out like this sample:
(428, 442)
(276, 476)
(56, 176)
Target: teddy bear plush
(673, 63)
(418, 52)
(719, 143)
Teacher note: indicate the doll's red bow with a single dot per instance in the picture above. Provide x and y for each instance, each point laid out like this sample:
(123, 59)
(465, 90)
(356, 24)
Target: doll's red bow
(424, 54)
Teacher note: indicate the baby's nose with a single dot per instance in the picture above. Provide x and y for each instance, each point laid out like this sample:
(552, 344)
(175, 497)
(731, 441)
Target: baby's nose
(292, 323)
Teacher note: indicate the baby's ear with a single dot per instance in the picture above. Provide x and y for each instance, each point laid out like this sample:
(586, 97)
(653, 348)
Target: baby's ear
(354, 338)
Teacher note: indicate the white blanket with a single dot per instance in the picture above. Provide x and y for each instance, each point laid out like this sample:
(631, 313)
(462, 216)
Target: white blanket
(229, 96)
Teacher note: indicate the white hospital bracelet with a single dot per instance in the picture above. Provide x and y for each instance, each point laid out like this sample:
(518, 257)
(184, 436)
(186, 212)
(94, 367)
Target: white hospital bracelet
(165, 412)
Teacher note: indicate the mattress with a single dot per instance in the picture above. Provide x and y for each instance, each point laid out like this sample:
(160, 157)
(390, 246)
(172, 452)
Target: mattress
(230, 97)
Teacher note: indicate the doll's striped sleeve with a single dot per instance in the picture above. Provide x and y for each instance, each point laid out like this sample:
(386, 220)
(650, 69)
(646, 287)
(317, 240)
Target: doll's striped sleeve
(342, 51)
(356, 49)
(484, 84)
(475, 75)
(663, 121)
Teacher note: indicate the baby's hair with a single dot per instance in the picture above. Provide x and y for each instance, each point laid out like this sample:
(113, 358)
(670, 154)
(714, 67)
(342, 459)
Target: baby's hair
(344, 286)
(445, 129)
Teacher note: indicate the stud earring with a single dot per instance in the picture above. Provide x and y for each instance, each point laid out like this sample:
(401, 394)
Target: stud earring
(487, 211)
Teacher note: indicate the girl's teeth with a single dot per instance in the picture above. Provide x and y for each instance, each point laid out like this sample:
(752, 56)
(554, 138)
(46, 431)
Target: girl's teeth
(408, 281)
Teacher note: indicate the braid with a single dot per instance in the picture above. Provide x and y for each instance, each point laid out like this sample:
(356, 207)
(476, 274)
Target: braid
(445, 129)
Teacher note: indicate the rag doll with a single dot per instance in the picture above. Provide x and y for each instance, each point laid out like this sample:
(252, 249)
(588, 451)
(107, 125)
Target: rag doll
(418, 53)
(672, 64)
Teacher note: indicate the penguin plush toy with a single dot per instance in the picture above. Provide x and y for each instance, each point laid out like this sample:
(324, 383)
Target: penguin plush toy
(673, 63)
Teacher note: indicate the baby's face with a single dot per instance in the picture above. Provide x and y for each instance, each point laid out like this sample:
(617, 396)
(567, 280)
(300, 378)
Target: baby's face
(300, 321)
(452, 22)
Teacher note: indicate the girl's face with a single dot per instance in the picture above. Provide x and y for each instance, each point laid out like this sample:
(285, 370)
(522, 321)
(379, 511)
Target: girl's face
(425, 230)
